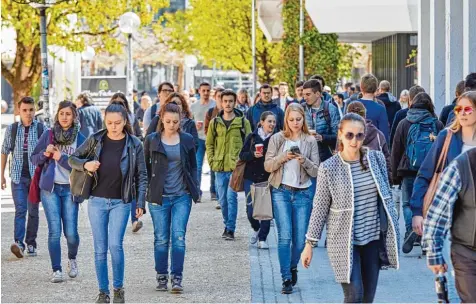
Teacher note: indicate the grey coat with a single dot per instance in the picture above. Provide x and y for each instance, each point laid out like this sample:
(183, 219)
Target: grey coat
(334, 202)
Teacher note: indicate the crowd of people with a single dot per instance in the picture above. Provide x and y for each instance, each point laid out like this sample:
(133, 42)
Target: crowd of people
(349, 161)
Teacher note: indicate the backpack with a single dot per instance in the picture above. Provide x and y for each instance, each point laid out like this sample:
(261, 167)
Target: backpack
(15, 131)
(420, 138)
(242, 129)
(325, 112)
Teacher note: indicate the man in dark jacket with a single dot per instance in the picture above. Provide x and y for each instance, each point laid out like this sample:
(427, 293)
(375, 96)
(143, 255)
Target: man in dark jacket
(391, 103)
(89, 115)
(265, 104)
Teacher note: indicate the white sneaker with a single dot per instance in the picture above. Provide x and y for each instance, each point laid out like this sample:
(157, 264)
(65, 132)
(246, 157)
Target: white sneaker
(218, 206)
(73, 268)
(254, 237)
(57, 277)
(263, 245)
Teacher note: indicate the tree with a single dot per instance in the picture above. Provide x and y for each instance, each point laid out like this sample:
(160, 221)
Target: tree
(323, 54)
(69, 23)
(219, 31)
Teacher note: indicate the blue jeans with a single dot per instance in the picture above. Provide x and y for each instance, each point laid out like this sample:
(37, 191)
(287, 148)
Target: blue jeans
(60, 210)
(261, 226)
(450, 276)
(291, 210)
(201, 151)
(213, 188)
(313, 187)
(407, 189)
(108, 218)
(228, 200)
(364, 276)
(22, 206)
(170, 220)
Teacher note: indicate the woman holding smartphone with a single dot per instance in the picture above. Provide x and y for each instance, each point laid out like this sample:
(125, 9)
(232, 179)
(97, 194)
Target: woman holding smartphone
(292, 159)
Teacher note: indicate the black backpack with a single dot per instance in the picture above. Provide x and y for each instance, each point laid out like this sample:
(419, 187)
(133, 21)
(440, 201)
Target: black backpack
(41, 128)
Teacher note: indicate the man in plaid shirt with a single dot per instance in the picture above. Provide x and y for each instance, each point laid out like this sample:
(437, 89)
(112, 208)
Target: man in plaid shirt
(21, 172)
(454, 209)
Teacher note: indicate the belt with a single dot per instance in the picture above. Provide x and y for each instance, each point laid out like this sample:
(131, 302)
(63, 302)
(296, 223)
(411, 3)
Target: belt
(289, 188)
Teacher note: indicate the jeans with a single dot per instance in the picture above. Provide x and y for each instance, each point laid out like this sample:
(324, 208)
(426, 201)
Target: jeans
(22, 206)
(213, 188)
(202, 149)
(450, 278)
(313, 186)
(407, 189)
(364, 276)
(60, 210)
(228, 200)
(133, 211)
(170, 220)
(261, 226)
(291, 210)
(464, 260)
(108, 218)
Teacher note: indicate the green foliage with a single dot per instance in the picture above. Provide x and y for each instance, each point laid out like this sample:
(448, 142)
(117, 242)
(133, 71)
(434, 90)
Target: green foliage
(219, 31)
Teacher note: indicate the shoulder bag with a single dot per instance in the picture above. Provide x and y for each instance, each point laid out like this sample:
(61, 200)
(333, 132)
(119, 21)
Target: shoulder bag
(82, 181)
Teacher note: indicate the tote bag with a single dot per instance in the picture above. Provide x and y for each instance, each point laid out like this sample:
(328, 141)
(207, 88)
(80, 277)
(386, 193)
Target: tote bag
(261, 200)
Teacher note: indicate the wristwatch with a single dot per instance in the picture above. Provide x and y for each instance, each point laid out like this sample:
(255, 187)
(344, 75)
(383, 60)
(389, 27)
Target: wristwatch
(312, 243)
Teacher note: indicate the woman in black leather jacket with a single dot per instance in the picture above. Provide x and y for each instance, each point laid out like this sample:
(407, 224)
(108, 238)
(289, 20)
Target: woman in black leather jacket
(116, 158)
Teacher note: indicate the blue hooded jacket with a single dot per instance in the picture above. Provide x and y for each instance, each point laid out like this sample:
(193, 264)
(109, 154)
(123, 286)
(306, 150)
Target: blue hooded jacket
(254, 113)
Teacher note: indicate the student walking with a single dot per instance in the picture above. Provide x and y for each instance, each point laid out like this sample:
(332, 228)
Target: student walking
(253, 152)
(362, 226)
(115, 157)
(20, 140)
(292, 159)
(263, 104)
(172, 184)
(225, 138)
(89, 115)
(61, 210)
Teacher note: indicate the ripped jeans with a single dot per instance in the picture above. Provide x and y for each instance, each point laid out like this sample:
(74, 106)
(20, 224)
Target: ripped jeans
(170, 222)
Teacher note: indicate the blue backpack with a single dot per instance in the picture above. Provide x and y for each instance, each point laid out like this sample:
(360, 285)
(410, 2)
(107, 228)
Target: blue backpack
(420, 138)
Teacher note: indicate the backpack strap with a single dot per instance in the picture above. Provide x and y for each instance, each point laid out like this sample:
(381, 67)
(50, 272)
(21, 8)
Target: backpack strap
(242, 130)
(327, 115)
(14, 135)
(40, 129)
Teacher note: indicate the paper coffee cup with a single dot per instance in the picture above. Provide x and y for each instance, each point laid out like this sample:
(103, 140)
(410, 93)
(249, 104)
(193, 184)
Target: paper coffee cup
(313, 132)
(259, 148)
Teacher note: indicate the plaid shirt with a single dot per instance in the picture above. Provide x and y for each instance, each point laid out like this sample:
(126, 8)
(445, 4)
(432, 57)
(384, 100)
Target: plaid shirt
(439, 218)
(17, 160)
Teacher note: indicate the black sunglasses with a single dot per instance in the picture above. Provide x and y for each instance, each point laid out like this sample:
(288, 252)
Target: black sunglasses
(358, 136)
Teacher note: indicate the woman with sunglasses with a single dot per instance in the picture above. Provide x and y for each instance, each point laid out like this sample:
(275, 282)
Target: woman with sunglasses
(360, 222)
(61, 209)
(462, 139)
(413, 139)
(292, 159)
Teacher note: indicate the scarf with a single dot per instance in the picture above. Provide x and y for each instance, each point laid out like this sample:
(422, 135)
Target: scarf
(65, 137)
(262, 134)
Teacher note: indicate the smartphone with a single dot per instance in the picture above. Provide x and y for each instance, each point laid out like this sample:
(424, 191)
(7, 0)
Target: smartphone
(295, 150)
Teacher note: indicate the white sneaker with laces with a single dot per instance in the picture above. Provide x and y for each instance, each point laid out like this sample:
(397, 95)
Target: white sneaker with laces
(263, 245)
(254, 237)
(73, 268)
(57, 277)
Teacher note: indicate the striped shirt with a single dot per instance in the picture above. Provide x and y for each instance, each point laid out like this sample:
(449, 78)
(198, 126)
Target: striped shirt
(366, 219)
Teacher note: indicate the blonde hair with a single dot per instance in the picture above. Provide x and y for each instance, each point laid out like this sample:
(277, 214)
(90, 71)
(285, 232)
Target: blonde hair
(471, 96)
(296, 108)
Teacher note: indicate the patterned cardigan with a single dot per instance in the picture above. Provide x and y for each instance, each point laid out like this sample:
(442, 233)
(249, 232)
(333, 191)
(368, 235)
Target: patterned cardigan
(334, 202)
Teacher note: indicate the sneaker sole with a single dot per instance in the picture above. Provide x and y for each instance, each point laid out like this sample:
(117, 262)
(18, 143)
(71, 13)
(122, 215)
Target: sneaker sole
(32, 254)
(16, 250)
(57, 281)
(160, 289)
(138, 227)
(73, 276)
(229, 239)
(286, 292)
(263, 248)
(176, 291)
(218, 208)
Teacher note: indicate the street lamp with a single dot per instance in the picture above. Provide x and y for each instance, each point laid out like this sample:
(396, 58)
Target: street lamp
(128, 24)
(191, 62)
(44, 97)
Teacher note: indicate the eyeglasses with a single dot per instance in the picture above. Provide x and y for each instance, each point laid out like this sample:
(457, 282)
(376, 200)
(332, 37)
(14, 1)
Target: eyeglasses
(466, 110)
(358, 136)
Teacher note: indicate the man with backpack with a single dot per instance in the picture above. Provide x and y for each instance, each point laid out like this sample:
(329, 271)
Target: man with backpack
(20, 140)
(225, 138)
(164, 90)
(322, 118)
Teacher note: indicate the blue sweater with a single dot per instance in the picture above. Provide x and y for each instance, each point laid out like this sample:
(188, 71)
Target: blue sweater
(427, 169)
(254, 113)
(378, 115)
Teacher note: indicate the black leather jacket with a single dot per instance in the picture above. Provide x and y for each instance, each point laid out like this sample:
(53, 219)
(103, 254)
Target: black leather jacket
(134, 185)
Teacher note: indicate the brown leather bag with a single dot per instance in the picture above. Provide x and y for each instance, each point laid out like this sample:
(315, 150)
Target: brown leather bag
(430, 193)
(236, 180)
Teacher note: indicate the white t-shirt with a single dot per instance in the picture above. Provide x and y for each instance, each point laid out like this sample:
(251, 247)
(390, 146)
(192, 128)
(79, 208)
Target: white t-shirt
(466, 148)
(292, 169)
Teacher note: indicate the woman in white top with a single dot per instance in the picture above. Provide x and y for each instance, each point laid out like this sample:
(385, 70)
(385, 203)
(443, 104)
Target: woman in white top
(292, 159)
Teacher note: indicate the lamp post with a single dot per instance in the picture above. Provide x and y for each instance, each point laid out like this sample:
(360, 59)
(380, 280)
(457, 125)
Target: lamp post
(128, 24)
(301, 46)
(191, 62)
(253, 44)
(44, 97)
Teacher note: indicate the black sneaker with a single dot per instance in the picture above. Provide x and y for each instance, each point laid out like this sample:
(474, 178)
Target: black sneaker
(410, 238)
(225, 234)
(119, 296)
(103, 298)
(417, 241)
(31, 251)
(287, 287)
(213, 196)
(17, 249)
(230, 236)
(176, 284)
(162, 280)
(294, 276)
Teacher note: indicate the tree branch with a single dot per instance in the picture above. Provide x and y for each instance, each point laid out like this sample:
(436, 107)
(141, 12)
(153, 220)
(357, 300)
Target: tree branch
(7, 73)
(97, 33)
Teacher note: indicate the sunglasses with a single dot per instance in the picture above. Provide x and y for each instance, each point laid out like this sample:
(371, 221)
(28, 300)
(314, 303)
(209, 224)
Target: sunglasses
(466, 110)
(358, 136)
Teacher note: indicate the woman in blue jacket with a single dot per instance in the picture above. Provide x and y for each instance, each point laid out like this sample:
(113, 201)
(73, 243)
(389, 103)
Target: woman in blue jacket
(61, 210)
(462, 139)
(255, 172)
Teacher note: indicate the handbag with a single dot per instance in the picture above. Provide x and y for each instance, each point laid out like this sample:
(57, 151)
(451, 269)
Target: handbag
(261, 200)
(82, 181)
(382, 248)
(430, 193)
(236, 180)
(34, 195)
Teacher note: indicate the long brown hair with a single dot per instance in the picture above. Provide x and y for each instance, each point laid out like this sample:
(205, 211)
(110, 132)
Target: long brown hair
(168, 108)
(185, 108)
(471, 96)
(296, 108)
(353, 117)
